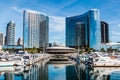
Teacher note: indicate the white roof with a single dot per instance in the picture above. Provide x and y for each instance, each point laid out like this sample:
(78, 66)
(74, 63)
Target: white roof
(35, 12)
(59, 47)
(112, 44)
(94, 9)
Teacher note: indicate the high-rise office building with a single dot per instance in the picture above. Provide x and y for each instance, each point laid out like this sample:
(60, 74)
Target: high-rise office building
(1, 38)
(35, 29)
(80, 34)
(104, 32)
(10, 34)
(20, 41)
(84, 30)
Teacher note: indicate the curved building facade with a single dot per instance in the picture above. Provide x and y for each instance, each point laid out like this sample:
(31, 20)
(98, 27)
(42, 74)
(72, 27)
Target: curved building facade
(35, 29)
(89, 33)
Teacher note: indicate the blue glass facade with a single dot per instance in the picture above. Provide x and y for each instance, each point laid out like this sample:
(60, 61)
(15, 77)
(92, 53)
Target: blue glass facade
(12, 46)
(35, 29)
(91, 26)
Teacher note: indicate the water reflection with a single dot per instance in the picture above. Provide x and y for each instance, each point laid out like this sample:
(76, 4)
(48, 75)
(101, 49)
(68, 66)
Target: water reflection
(71, 73)
(56, 72)
(62, 72)
(40, 71)
(35, 72)
(44, 71)
(85, 72)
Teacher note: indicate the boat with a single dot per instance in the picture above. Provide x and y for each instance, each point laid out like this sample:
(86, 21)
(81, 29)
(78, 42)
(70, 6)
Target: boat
(101, 60)
(7, 69)
(6, 63)
(19, 61)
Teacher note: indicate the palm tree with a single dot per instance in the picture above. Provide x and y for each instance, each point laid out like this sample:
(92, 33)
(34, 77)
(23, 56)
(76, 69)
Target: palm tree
(102, 50)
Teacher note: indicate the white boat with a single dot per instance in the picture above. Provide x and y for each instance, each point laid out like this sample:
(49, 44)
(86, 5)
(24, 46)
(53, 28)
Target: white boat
(6, 63)
(19, 61)
(7, 69)
(105, 61)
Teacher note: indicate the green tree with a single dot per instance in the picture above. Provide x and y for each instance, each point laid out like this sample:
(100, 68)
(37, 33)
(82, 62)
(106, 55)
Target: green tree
(102, 50)
(109, 49)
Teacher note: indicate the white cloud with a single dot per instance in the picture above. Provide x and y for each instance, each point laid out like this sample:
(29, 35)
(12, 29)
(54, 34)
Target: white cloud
(115, 38)
(115, 33)
(17, 9)
(57, 23)
(57, 29)
(118, 25)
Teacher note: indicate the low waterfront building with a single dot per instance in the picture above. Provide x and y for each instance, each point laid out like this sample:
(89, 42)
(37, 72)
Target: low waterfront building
(60, 50)
(12, 47)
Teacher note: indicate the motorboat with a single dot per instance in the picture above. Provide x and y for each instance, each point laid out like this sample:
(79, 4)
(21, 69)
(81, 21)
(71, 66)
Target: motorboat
(4, 62)
(19, 61)
(6, 68)
(100, 60)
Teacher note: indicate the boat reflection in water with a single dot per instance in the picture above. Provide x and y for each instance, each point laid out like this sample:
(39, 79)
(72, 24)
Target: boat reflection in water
(40, 71)
(54, 71)
(85, 72)
(35, 72)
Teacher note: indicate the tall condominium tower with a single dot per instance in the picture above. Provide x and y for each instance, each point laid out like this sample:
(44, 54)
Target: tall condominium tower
(104, 32)
(35, 29)
(83, 30)
(20, 41)
(1, 38)
(10, 34)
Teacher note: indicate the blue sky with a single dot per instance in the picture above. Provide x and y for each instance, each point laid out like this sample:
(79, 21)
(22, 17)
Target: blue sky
(57, 10)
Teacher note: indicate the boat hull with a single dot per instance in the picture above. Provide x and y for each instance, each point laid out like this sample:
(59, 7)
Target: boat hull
(6, 63)
(106, 65)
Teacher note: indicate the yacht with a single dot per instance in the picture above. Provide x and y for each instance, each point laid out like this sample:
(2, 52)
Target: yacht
(102, 60)
(19, 61)
(4, 61)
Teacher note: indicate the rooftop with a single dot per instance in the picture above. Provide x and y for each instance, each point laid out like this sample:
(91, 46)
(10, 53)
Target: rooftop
(59, 47)
(35, 12)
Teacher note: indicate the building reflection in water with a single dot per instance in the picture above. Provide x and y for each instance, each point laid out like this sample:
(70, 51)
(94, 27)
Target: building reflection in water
(71, 73)
(44, 71)
(38, 71)
(97, 73)
(81, 71)
(9, 76)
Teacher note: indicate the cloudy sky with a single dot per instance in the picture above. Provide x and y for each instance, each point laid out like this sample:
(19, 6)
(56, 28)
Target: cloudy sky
(57, 10)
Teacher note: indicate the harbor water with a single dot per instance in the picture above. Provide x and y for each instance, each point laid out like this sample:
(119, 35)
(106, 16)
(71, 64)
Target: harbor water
(46, 71)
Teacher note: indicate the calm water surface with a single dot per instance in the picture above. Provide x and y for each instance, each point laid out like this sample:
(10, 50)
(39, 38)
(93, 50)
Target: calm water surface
(43, 71)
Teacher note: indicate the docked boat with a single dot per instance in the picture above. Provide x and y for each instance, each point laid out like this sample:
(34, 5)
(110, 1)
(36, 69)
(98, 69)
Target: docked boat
(6, 63)
(7, 69)
(19, 61)
(100, 60)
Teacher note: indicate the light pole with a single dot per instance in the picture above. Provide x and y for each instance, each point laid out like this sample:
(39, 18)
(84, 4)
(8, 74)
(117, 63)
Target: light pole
(43, 50)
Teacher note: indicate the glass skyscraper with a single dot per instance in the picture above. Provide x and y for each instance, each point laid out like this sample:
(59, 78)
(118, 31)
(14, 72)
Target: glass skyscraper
(10, 34)
(35, 29)
(84, 30)
(1, 38)
(104, 32)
